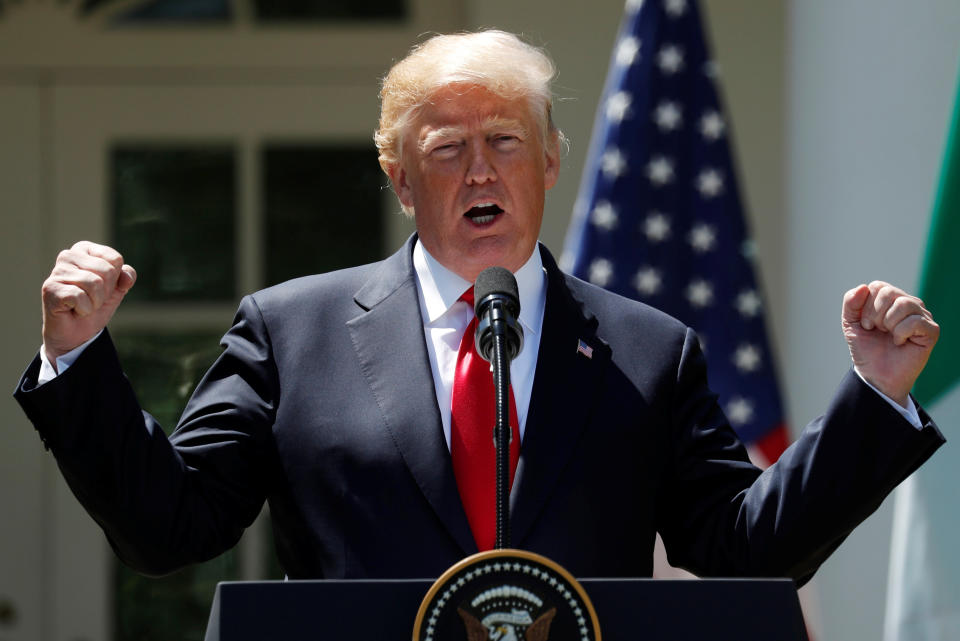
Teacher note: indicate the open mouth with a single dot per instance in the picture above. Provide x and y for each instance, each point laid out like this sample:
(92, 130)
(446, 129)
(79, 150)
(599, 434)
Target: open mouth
(483, 213)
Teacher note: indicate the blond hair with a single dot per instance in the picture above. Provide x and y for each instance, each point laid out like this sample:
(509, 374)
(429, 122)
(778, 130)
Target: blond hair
(499, 61)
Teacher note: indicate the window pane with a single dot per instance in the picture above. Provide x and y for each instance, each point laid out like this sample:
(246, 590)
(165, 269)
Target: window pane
(221, 11)
(164, 369)
(318, 10)
(322, 208)
(173, 220)
(159, 11)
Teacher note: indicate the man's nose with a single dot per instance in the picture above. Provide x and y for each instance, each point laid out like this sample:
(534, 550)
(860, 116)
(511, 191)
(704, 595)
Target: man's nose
(480, 169)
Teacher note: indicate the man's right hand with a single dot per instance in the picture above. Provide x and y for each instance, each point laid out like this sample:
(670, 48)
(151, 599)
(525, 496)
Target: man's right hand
(81, 294)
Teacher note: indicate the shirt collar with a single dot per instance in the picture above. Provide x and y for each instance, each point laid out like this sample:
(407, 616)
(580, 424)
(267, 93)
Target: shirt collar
(441, 288)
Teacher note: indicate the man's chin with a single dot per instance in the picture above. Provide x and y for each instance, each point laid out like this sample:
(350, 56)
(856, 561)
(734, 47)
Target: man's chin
(491, 254)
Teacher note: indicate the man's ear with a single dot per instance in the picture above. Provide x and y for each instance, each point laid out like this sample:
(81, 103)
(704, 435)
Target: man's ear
(551, 169)
(398, 176)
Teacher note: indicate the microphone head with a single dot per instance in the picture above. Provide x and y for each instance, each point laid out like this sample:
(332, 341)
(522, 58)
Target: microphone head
(498, 281)
(496, 292)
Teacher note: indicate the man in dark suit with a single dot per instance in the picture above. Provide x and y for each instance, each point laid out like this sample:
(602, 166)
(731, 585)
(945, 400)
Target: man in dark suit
(335, 398)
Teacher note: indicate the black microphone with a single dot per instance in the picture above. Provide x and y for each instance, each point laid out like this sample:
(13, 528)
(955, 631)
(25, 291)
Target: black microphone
(498, 340)
(497, 305)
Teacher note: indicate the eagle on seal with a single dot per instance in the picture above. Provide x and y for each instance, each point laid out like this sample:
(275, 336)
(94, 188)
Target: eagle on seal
(504, 630)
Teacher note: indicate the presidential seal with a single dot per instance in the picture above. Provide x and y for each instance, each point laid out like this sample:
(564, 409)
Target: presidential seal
(506, 595)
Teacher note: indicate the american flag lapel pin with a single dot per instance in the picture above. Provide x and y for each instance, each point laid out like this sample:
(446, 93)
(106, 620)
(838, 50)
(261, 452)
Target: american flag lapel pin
(583, 348)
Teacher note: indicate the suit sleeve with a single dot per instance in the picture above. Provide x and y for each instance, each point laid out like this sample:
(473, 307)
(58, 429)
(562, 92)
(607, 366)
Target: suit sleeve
(723, 517)
(164, 503)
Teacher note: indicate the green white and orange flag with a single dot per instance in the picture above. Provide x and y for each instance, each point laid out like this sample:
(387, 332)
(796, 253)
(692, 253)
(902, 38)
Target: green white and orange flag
(923, 596)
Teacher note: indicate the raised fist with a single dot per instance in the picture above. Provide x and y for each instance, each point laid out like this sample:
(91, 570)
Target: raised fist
(890, 334)
(81, 294)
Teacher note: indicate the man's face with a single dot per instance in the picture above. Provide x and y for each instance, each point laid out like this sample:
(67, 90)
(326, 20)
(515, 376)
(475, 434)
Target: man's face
(475, 170)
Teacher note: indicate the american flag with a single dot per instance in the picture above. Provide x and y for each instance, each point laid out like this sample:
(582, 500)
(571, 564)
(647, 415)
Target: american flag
(659, 217)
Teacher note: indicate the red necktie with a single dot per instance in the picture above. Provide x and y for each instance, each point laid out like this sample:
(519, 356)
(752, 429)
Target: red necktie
(472, 419)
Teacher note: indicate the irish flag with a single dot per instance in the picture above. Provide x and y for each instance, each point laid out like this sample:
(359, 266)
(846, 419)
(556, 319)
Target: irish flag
(923, 597)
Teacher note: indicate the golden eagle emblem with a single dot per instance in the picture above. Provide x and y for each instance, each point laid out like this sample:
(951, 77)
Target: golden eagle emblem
(516, 625)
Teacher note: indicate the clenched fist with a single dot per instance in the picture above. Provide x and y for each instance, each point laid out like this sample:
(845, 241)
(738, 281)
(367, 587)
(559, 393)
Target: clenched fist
(890, 335)
(81, 294)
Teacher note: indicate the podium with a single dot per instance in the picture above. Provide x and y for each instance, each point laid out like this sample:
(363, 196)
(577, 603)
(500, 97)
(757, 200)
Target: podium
(628, 609)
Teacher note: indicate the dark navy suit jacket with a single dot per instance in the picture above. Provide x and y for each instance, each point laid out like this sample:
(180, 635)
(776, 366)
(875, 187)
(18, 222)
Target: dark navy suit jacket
(323, 404)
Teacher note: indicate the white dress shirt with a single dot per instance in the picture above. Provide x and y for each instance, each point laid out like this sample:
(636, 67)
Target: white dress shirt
(445, 318)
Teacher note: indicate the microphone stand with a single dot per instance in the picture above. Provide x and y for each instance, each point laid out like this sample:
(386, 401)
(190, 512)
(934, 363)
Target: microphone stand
(501, 431)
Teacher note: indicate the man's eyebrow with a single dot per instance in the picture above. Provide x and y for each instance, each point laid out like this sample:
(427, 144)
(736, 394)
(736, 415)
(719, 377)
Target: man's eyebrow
(499, 123)
(438, 134)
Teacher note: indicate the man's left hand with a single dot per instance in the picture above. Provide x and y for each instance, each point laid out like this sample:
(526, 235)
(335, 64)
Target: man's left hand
(890, 335)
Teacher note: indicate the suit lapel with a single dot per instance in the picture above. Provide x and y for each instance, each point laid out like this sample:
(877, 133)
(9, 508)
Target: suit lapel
(390, 345)
(565, 387)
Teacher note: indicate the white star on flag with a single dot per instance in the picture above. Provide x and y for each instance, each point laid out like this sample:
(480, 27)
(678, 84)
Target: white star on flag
(627, 51)
(618, 106)
(613, 163)
(739, 411)
(747, 358)
(604, 215)
(699, 293)
(656, 227)
(702, 238)
(711, 125)
(633, 6)
(748, 303)
(670, 59)
(601, 271)
(660, 171)
(675, 8)
(668, 116)
(648, 281)
(711, 69)
(710, 183)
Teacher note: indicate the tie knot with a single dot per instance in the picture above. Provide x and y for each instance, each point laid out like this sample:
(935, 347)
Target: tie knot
(467, 296)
